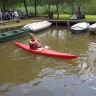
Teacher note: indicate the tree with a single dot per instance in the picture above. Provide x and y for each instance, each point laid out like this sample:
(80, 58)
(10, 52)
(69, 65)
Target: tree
(8, 4)
(58, 3)
(25, 6)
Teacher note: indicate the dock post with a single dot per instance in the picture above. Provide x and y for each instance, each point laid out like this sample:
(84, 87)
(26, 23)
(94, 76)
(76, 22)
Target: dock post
(68, 24)
(56, 24)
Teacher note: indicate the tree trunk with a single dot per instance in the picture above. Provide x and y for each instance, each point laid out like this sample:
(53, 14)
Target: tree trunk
(57, 7)
(49, 5)
(73, 8)
(25, 6)
(3, 7)
(57, 13)
(35, 8)
(79, 12)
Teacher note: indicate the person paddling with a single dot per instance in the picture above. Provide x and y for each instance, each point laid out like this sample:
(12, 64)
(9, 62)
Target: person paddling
(35, 44)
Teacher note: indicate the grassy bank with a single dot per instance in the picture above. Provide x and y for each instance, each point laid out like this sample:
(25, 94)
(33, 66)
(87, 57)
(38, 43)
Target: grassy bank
(67, 17)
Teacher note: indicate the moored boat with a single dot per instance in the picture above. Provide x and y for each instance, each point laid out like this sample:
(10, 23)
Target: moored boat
(92, 28)
(37, 26)
(79, 27)
(5, 36)
(46, 51)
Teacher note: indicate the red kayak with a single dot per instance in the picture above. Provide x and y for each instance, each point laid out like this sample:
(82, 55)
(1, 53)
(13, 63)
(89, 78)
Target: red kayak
(46, 51)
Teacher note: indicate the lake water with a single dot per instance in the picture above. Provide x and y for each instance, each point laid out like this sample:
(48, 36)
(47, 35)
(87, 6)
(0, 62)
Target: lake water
(27, 74)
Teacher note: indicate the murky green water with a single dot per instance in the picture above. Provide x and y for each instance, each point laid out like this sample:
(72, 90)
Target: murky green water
(26, 74)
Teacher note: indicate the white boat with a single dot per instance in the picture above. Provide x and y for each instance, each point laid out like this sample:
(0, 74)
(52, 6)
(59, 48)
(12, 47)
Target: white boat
(79, 27)
(37, 26)
(92, 28)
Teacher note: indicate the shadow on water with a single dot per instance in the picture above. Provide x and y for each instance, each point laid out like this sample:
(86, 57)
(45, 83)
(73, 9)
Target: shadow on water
(27, 74)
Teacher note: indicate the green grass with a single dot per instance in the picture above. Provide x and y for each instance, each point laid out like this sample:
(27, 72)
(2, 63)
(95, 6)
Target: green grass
(67, 17)
(62, 16)
(90, 17)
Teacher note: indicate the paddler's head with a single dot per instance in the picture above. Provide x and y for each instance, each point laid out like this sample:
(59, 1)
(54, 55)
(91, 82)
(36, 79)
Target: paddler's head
(32, 36)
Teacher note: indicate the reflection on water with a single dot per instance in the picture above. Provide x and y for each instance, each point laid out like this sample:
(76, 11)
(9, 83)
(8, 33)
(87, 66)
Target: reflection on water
(27, 74)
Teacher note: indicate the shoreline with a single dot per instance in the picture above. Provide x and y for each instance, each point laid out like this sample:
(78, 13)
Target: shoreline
(54, 23)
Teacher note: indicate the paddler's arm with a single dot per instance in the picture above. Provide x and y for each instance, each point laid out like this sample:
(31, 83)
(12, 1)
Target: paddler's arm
(39, 43)
(32, 42)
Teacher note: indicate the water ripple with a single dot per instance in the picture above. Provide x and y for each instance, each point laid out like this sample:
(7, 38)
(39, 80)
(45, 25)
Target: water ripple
(88, 60)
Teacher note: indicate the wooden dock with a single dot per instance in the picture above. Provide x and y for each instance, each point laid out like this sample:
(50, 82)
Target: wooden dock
(69, 22)
(8, 21)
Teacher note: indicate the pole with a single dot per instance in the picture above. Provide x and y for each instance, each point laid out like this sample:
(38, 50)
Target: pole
(1, 20)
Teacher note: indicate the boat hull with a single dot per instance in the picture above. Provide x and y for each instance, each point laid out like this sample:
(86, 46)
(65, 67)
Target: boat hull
(77, 31)
(46, 51)
(12, 34)
(79, 27)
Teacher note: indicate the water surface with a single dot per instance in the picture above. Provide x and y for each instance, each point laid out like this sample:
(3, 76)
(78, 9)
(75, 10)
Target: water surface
(27, 74)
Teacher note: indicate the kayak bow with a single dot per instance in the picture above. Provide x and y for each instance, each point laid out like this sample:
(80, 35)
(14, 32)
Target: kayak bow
(45, 51)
